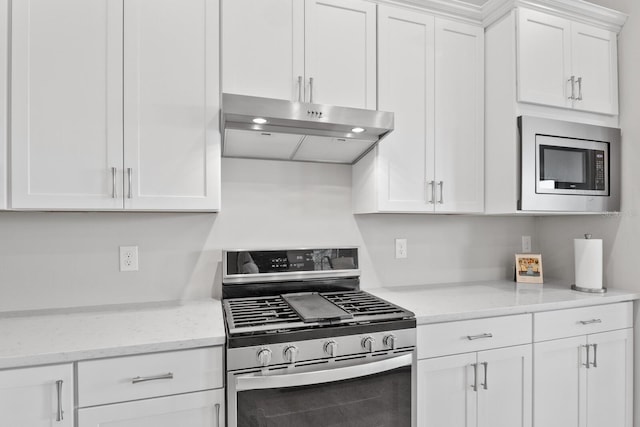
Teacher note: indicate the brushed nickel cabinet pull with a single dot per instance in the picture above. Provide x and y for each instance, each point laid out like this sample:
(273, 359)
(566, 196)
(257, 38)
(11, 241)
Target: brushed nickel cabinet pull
(167, 376)
(588, 360)
(477, 337)
(433, 191)
(441, 184)
(590, 322)
(60, 413)
(217, 415)
(475, 377)
(595, 355)
(572, 80)
(486, 368)
(114, 192)
(579, 98)
(311, 90)
(300, 87)
(129, 174)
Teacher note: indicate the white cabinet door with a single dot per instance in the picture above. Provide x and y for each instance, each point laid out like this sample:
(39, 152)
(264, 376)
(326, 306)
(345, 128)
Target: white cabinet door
(595, 63)
(171, 104)
(66, 104)
(263, 47)
(29, 397)
(201, 409)
(505, 387)
(406, 71)
(445, 391)
(610, 379)
(340, 52)
(459, 117)
(543, 59)
(4, 93)
(558, 383)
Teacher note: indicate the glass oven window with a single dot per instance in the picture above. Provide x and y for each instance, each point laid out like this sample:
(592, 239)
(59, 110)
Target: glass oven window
(380, 400)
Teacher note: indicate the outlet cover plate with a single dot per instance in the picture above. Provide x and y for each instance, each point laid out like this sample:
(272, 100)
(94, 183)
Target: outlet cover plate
(128, 258)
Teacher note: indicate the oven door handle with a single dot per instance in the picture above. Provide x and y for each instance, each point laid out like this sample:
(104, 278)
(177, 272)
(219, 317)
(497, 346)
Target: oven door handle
(256, 382)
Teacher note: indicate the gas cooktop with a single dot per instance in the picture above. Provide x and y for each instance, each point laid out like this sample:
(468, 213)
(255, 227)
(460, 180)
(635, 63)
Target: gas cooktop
(268, 314)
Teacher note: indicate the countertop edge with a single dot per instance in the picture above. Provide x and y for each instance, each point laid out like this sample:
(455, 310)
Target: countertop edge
(528, 309)
(92, 354)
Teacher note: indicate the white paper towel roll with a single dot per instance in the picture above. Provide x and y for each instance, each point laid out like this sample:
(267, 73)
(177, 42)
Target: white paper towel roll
(588, 254)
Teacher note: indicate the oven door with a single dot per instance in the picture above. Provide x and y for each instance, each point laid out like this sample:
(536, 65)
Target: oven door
(367, 392)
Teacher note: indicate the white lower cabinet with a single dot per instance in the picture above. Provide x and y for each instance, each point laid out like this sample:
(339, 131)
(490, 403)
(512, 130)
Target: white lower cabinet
(201, 409)
(37, 397)
(490, 387)
(177, 388)
(584, 380)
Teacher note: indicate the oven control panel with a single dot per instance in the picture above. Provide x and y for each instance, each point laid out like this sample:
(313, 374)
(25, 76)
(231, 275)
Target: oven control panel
(266, 262)
(300, 352)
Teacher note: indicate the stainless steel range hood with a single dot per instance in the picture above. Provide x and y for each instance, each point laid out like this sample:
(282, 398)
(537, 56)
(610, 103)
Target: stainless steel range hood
(265, 128)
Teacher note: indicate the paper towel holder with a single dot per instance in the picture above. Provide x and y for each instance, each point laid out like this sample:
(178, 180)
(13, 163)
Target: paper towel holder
(589, 290)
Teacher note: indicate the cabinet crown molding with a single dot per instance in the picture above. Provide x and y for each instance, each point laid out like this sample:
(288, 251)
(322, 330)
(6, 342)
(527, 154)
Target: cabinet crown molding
(492, 10)
(575, 10)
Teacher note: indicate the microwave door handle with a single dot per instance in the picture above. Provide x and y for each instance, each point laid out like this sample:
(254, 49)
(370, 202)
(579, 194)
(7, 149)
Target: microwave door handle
(257, 382)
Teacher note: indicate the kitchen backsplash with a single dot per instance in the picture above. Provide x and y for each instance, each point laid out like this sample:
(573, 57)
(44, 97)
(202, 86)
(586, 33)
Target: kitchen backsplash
(52, 260)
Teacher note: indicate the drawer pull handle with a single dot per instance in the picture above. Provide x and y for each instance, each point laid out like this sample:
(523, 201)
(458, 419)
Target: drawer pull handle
(477, 337)
(595, 355)
(217, 415)
(167, 376)
(589, 322)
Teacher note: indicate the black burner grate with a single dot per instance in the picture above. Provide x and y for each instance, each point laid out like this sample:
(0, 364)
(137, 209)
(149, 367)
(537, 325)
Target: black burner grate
(272, 313)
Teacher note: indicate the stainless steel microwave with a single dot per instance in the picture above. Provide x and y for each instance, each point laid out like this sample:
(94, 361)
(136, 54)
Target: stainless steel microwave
(568, 167)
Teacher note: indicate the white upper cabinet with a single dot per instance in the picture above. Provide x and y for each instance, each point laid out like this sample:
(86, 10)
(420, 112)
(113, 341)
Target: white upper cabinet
(459, 117)
(431, 77)
(171, 105)
(404, 163)
(313, 51)
(566, 64)
(340, 52)
(4, 91)
(263, 47)
(110, 113)
(66, 104)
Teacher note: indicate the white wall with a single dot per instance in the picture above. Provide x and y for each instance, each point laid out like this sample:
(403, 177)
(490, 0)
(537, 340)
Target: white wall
(52, 260)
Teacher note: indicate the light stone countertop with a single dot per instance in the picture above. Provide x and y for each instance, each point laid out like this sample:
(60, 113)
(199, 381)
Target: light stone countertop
(461, 301)
(56, 336)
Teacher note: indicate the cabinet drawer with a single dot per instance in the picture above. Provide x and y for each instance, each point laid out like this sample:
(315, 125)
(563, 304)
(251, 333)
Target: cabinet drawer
(473, 335)
(137, 377)
(581, 321)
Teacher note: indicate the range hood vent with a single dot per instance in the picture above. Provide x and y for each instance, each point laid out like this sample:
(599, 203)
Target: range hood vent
(265, 128)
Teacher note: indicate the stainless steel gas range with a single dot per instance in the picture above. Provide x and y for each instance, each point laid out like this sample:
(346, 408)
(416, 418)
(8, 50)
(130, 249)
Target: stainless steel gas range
(307, 347)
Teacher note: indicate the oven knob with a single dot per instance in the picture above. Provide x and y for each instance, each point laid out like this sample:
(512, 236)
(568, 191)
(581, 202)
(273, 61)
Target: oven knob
(389, 341)
(367, 344)
(331, 348)
(264, 357)
(290, 353)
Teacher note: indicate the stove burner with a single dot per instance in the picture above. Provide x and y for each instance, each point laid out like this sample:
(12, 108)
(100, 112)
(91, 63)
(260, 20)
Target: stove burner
(270, 314)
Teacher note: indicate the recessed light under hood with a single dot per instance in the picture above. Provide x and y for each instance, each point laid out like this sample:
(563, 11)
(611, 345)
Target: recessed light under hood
(265, 128)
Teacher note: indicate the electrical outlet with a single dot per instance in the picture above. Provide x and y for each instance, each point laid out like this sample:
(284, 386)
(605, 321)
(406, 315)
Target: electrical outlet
(128, 258)
(401, 248)
(526, 244)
